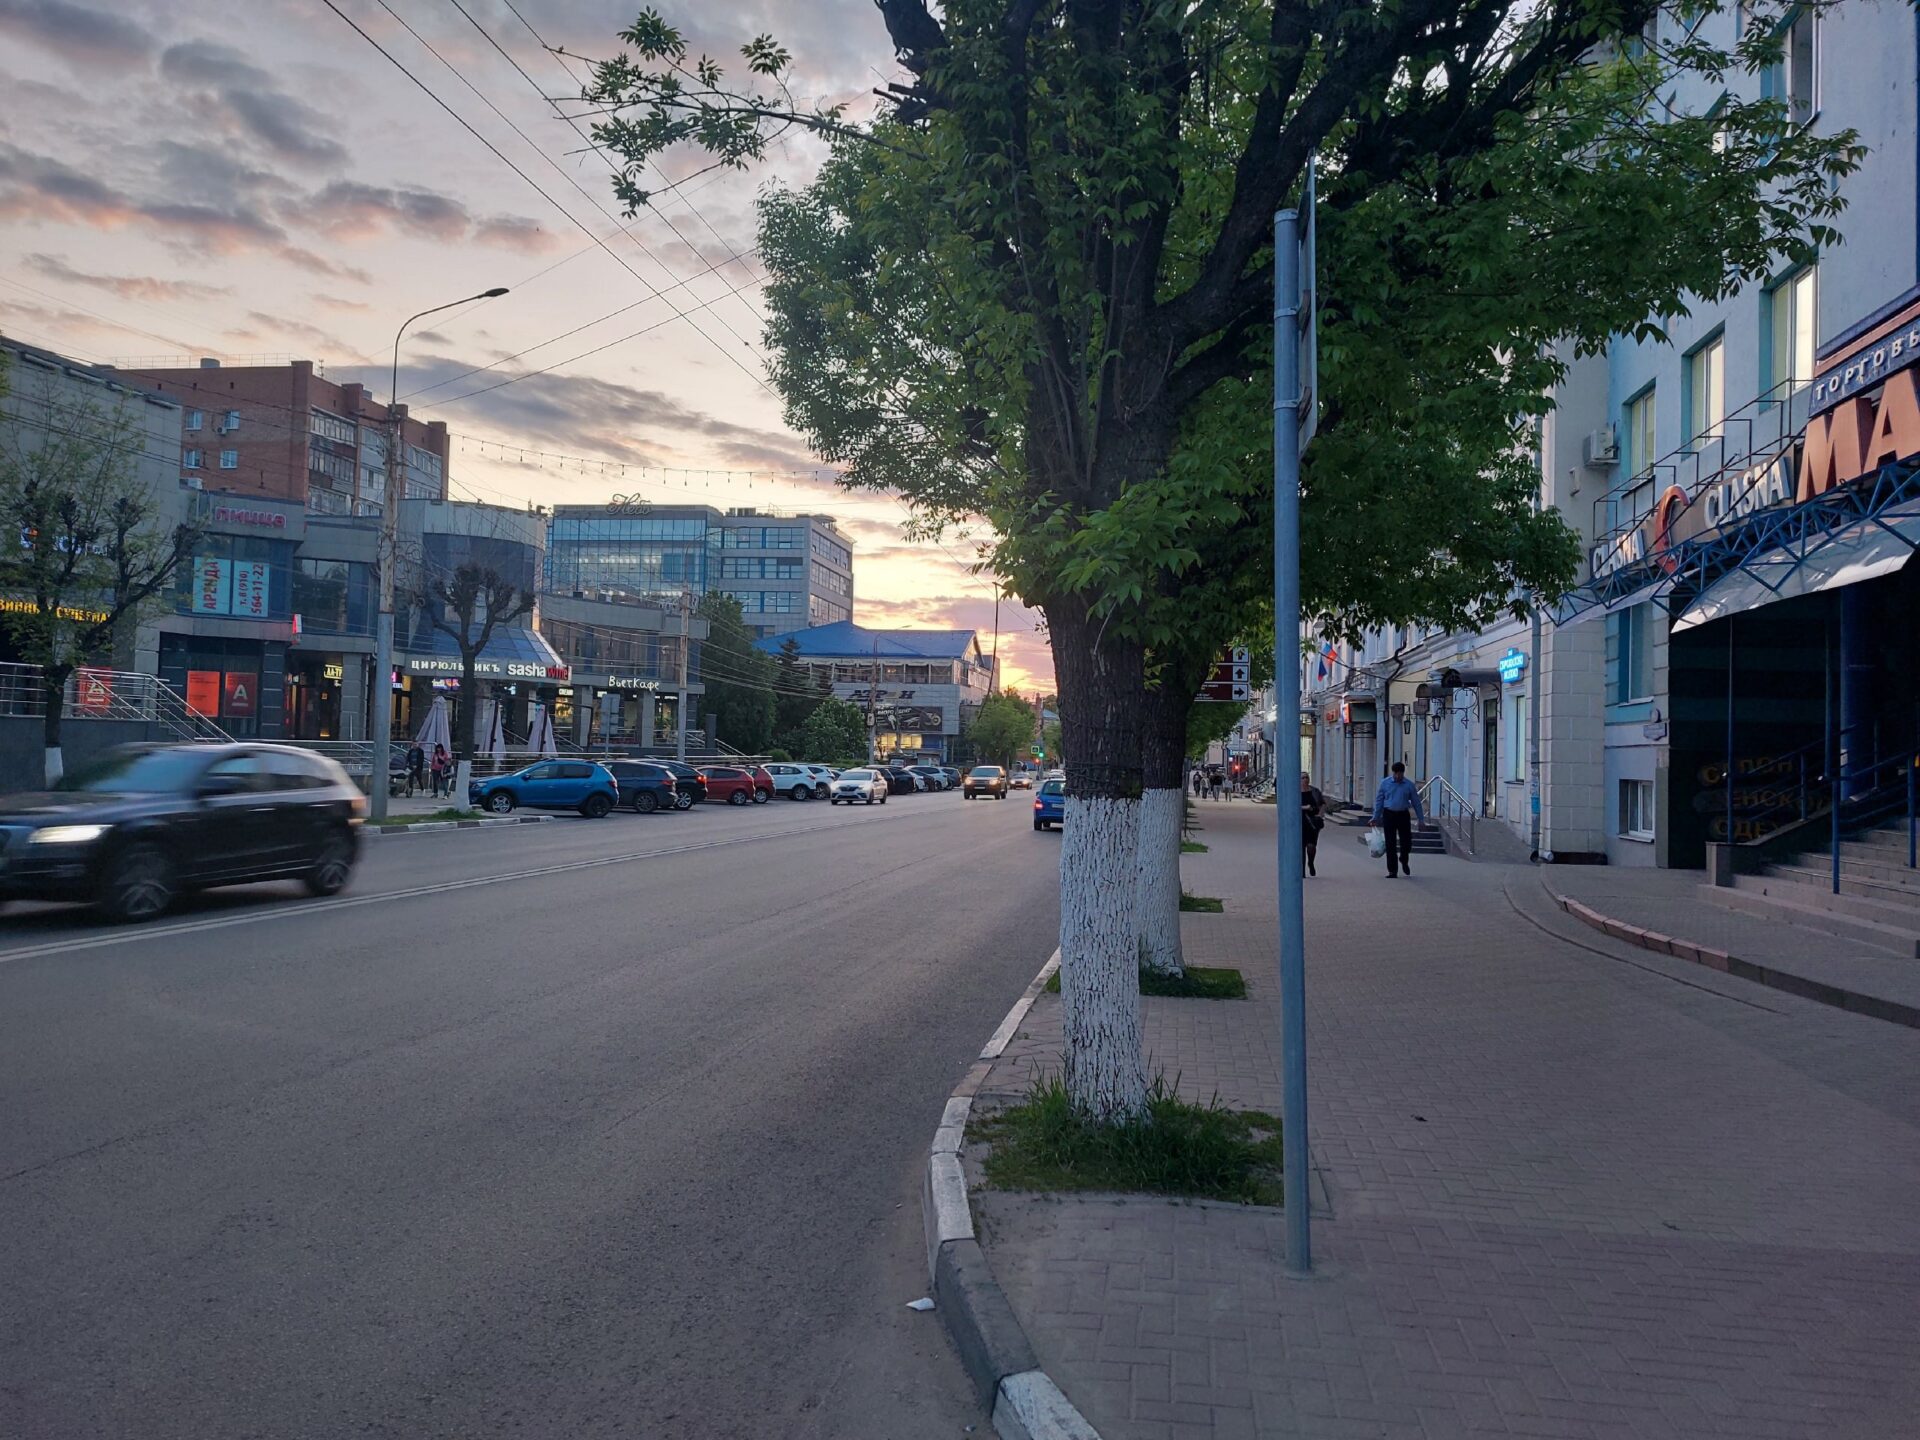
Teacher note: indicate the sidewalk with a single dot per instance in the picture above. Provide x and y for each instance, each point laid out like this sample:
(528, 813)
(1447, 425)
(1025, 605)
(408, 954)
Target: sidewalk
(1577, 1190)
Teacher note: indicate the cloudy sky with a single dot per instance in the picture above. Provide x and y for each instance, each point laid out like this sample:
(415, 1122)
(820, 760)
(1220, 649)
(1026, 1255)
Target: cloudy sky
(251, 178)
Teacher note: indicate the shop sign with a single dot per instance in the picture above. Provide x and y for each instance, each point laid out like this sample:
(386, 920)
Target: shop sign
(333, 672)
(485, 669)
(621, 682)
(1364, 729)
(1878, 355)
(212, 586)
(203, 693)
(259, 519)
(80, 615)
(242, 690)
(230, 587)
(1513, 667)
(1860, 435)
(94, 689)
(250, 589)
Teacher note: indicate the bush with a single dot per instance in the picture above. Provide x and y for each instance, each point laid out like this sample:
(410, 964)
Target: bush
(779, 757)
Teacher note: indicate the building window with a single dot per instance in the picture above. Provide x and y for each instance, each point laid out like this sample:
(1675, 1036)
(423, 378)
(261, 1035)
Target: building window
(230, 422)
(1636, 809)
(1517, 738)
(1788, 324)
(191, 460)
(229, 459)
(1637, 438)
(1629, 656)
(1706, 380)
(195, 420)
(332, 427)
(1794, 78)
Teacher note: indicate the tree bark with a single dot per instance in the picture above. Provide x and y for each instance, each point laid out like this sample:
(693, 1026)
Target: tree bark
(53, 693)
(1163, 747)
(1100, 679)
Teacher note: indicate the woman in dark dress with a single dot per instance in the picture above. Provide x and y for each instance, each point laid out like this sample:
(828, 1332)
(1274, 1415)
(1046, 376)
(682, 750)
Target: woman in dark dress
(1313, 809)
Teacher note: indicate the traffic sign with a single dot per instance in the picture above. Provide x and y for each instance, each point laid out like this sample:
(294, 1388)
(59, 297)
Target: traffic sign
(1225, 690)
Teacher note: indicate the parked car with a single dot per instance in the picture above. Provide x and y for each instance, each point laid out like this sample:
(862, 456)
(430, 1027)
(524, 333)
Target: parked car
(852, 785)
(689, 783)
(644, 786)
(762, 784)
(729, 783)
(550, 785)
(935, 777)
(985, 780)
(796, 782)
(1049, 804)
(952, 772)
(823, 778)
(140, 825)
(900, 780)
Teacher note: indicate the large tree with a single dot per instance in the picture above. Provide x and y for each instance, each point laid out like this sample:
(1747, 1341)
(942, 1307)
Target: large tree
(1002, 729)
(835, 734)
(1037, 289)
(94, 550)
(739, 677)
(467, 603)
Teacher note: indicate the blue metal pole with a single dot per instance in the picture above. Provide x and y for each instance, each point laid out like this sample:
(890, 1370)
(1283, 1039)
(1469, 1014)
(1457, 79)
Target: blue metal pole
(1730, 836)
(1286, 679)
(1835, 757)
(1913, 835)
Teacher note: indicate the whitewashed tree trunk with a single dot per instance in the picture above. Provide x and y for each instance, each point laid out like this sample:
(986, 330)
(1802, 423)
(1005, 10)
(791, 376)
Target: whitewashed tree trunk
(56, 765)
(1156, 896)
(1106, 1074)
(462, 778)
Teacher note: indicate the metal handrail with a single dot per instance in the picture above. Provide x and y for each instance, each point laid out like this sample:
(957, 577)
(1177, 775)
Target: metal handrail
(1445, 808)
(107, 695)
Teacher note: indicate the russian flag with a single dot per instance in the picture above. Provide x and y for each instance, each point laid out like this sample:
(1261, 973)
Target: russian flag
(1329, 657)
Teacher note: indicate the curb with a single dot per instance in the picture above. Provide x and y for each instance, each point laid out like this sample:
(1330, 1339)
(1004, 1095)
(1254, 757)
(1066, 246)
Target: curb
(427, 826)
(1854, 1002)
(1024, 1401)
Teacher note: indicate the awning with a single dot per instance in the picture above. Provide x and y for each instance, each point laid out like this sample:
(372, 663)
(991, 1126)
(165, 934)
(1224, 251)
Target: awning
(1860, 551)
(1657, 592)
(512, 652)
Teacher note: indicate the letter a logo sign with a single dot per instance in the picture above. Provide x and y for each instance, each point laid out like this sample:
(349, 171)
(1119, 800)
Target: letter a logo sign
(240, 688)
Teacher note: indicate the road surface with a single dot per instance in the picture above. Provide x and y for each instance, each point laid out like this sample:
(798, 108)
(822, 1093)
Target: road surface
(577, 1129)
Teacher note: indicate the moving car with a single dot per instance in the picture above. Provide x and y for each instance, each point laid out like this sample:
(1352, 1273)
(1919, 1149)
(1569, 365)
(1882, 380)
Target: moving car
(690, 785)
(729, 783)
(1049, 804)
(550, 785)
(644, 786)
(935, 777)
(852, 785)
(985, 780)
(133, 830)
(796, 782)
(1020, 780)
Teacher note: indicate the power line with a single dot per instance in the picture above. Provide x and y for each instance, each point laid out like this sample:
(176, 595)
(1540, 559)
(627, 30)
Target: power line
(531, 182)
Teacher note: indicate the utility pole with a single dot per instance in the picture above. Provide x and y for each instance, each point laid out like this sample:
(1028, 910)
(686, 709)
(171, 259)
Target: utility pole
(993, 677)
(382, 698)
(686, 644)
(873, 707)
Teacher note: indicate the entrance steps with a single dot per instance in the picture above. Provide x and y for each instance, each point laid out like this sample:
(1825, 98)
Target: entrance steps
(1878, 901)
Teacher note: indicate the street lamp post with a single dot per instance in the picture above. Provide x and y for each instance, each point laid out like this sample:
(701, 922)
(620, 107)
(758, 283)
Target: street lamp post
(382, 726)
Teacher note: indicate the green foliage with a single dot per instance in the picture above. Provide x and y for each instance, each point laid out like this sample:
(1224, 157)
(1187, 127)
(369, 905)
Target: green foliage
(1200, 904)
(794, 695)
(1050, 742)
(1192, 847)
(835, 734)
(739, 676)
(779, 755)
(1196, 982)
(1002, 729)
(1176, 1148)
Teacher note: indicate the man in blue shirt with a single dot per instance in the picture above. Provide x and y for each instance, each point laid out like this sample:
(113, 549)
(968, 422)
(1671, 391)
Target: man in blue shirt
(1395, 805)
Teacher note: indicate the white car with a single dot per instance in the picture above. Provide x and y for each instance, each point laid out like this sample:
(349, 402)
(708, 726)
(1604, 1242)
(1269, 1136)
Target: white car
(934, 777)
(852, 785)
(799, 782)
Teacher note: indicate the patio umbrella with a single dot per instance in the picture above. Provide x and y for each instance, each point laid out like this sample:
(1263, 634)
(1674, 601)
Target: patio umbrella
(540, 737)
(493, 728)
(435, 730)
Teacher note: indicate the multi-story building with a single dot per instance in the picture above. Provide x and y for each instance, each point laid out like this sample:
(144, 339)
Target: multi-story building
(281, 432)
(787, 571)
(917, 686)
(1739, 650)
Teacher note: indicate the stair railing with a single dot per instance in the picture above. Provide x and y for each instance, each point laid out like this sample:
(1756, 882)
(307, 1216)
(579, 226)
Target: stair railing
(1445, 808)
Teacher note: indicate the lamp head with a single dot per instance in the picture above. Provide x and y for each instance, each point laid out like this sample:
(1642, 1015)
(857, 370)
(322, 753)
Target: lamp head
(493, 294)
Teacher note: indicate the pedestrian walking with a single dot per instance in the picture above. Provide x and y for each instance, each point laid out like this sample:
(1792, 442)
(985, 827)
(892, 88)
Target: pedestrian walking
(1313, 813)
(1213, 783)
(416, 768)
(1199, 782)
(1396, 805)
(442, 764)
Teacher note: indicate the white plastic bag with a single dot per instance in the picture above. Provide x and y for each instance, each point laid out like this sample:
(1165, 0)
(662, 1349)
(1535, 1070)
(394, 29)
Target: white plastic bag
(1376, 841)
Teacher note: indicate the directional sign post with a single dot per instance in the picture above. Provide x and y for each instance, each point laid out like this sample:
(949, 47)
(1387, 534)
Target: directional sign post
(1231, 679)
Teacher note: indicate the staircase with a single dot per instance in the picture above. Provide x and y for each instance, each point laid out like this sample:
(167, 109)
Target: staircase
(1877, 904)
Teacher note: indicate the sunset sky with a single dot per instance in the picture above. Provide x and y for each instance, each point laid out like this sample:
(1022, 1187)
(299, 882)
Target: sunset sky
(250, 178)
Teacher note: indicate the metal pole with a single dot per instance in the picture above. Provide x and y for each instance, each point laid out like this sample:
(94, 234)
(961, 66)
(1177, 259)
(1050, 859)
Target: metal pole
(680, 707)
(1729, 836)
(381, 703)
(1286, 672)
(1834, 753)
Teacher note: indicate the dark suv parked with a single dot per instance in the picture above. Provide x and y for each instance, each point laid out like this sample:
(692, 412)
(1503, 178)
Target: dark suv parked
(644, 786)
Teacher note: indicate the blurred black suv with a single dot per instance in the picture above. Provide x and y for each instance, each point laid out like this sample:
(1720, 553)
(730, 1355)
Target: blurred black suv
(134, 829)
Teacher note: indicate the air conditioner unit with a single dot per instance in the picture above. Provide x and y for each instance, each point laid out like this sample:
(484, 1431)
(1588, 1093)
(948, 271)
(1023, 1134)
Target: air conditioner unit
(1601, 448)
(194, 482)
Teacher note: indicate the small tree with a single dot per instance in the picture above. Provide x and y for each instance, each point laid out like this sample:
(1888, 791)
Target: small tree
(93, 552)
(1002, 729)
(795, 696)
(737, 675)
(835, 734)
(468, 603)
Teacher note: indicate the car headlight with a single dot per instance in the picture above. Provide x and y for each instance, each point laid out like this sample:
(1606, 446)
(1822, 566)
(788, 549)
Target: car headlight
(68, 834)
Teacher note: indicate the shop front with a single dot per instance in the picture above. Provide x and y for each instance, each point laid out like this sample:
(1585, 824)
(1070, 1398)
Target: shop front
(510, 674)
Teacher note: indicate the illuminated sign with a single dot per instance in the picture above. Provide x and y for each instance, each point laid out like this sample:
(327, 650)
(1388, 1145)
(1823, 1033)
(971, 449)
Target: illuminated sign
(260, 519)
(14, 605)
(486, 669)
(333, 672)
(1513, 666)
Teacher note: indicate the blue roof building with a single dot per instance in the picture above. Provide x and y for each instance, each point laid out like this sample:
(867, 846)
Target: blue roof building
(918, 685)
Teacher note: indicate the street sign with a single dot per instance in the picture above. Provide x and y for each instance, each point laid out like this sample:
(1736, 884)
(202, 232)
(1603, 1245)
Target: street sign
(1226, 690)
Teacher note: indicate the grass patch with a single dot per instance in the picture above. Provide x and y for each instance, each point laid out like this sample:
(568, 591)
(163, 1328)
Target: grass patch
(1200, 982)
(1201, 904)
(1192, 847)
(434, 816)
(1205, 1152)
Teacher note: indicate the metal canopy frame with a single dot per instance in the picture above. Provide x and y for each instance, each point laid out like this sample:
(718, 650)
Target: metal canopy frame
(1682, 574)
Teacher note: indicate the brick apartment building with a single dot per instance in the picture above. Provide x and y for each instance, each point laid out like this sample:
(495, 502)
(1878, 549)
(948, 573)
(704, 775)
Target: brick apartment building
(281, 432)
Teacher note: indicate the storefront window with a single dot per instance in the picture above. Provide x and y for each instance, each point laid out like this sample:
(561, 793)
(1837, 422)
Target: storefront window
(237, 576)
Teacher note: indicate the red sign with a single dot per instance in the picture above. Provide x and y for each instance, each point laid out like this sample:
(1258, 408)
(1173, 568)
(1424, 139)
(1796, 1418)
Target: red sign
(95, 689)
(242, 688)
(203, 692)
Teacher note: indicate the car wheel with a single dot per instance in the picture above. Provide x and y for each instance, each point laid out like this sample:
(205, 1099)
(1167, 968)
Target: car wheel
(1039, 825)
(883, 797)
(760, 797)
(138, 885)
(645, 803)
(595, 807)
(799, 792)
(821, 792)
(501, 802)
(738, 797)
(331, 867)
(869, 797)
(682, 800)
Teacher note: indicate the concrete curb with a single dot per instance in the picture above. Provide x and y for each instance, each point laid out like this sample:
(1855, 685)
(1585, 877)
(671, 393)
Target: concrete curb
(1025, 1403)
(428, 826)
(1854, 1002)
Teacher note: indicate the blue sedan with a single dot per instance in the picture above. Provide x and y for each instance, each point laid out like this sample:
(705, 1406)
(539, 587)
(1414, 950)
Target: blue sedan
(549, 785)
(1050, 804)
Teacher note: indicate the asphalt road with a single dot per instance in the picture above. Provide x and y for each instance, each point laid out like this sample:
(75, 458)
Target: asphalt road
(578, 1129)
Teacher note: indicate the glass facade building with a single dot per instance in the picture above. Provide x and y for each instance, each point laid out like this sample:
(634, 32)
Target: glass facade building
(593, 549)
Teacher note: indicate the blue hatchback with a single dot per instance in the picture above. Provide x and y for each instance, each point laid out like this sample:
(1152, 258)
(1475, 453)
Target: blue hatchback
(1049, 804)
(549, 785)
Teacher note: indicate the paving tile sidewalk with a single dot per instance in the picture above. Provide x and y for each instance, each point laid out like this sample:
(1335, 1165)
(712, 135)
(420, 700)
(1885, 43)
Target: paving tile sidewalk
(1572, 1196)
